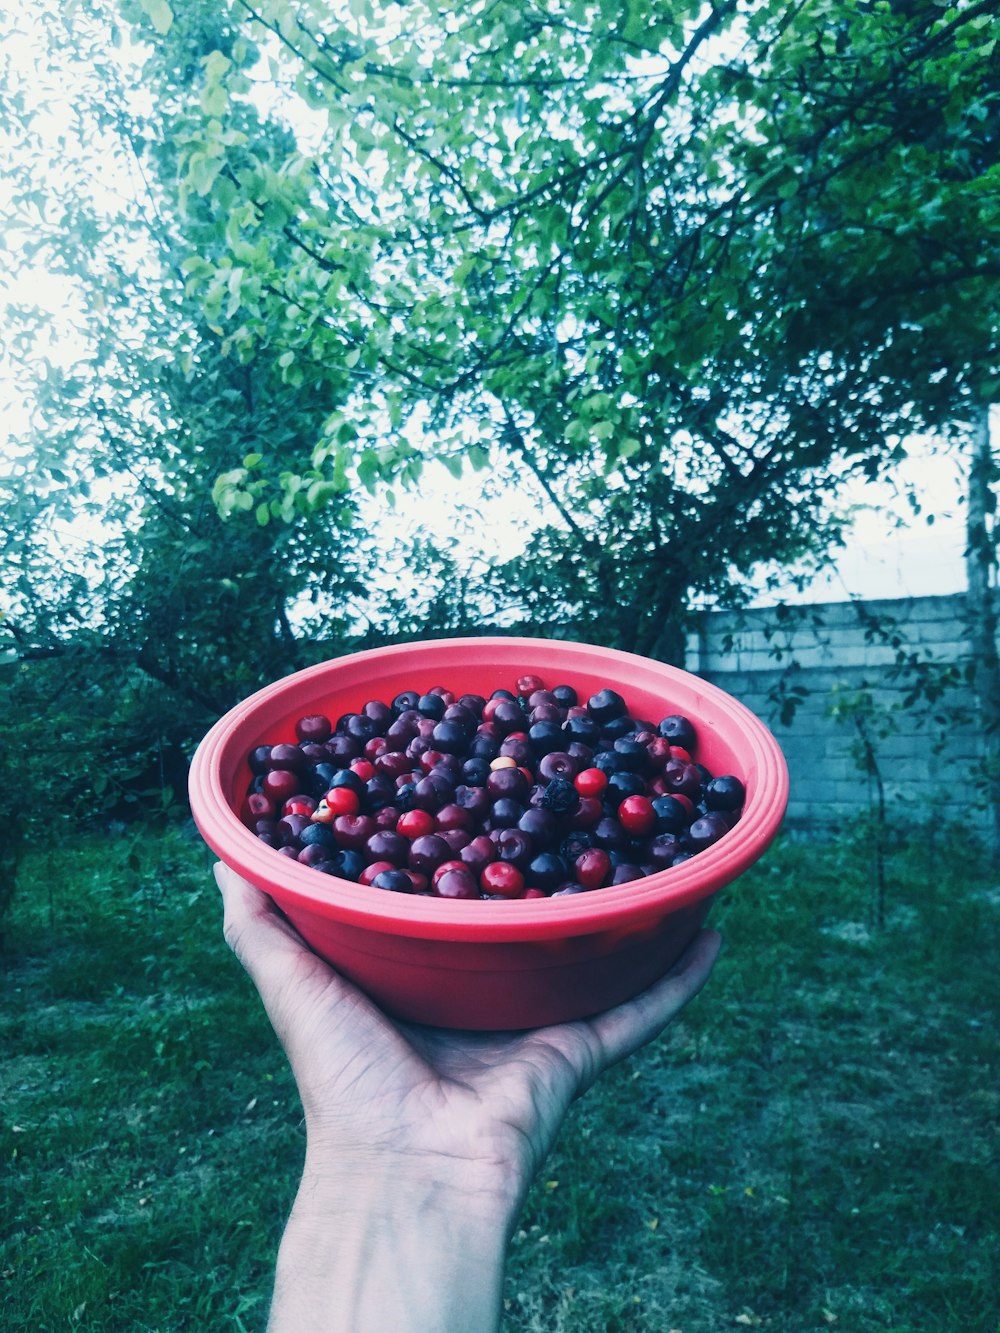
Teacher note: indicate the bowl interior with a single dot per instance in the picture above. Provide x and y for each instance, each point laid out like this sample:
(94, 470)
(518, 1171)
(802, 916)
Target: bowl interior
(730, 740)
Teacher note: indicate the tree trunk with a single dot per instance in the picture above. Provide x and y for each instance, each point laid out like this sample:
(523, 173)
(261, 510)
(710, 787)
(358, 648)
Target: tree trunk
(981, 575)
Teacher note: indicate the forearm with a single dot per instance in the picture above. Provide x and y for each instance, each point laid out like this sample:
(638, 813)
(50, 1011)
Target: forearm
(401, 1251)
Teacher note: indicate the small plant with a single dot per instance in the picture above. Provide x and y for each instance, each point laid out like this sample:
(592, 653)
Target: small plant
(857, 709)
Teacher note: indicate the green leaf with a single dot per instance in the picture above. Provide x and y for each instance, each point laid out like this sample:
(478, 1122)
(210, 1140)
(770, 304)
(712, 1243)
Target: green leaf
(368, 469)
(159, 14)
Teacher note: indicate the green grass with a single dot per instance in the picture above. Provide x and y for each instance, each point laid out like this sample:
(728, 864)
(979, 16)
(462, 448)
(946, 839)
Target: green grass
(811, 1147)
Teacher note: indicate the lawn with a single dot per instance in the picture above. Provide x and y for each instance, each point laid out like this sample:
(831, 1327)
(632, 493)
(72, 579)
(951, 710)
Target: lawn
(813, 1146)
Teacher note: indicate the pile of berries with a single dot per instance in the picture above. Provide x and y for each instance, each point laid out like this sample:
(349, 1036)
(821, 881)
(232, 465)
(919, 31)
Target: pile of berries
(527, 794)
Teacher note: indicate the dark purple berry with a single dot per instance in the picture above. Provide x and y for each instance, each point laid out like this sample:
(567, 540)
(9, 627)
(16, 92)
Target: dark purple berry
(710, 828)
(546, 871)
(724, 793)
(606, 705)
(396, 881)
(560, 796)
(678, 731)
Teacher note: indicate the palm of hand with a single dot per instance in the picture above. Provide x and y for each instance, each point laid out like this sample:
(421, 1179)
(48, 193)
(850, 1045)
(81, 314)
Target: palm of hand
(492, 1102)
(492, 1099)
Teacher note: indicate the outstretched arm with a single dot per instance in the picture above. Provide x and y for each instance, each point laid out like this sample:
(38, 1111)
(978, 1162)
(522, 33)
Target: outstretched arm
(421, 1143)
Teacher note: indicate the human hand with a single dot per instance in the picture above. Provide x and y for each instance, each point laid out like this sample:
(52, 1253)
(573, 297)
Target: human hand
(420, 1134)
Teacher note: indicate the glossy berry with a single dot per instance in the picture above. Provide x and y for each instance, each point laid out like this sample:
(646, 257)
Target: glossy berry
(515, 846)
(478, 852)
(353, 831)
(606, 705)
(318, 835)
(591, 782)
(637, 816)
(396, 881)
(287, 756)
(527, 684)
(258, 758)
(671, 815)
(546, 871)
(502, 878)
(281, 783)
(260, 806)
(592, 868)
(710, 828)
(315, 727)
(342, 801)
(625, 872)
(459, 883)
(662, 850)
(427, 853)
(622, 785)
(678, 730)
(724, 793)
(682, 779)
(416, 824)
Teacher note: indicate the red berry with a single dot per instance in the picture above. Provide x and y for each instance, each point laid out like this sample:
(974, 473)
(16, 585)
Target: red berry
(453, 816)
(592, 868)
(591, 782)
(503, 878)
(316, 728)
(416, 823)
(529, 684)
(280, 783)
(637, 816)
(364, 768)
(430, 759)
(342, 801)
(260, 806)
(532, 893)
(298, 805)
(353, 831)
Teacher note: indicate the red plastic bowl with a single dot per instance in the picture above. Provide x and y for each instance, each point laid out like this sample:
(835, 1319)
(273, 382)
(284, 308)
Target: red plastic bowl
(484, 964)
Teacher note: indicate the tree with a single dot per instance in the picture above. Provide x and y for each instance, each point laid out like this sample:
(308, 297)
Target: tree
(981, 562)
(132, 613)
(681, 268)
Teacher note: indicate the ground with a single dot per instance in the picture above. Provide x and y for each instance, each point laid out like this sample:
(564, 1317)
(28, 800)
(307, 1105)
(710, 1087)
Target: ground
(812, 1146)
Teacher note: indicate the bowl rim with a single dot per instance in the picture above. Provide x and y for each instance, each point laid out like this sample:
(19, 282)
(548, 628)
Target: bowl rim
(303, 889)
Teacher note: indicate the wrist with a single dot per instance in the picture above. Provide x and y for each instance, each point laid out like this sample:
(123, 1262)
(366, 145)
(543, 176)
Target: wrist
(407, 1245)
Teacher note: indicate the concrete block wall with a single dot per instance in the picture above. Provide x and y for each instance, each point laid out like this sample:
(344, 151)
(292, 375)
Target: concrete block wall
(832, 653)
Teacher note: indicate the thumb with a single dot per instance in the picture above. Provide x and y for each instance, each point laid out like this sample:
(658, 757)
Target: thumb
(270, 949)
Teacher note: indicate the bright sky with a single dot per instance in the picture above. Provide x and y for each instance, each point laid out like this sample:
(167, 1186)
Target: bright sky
(913, 559)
